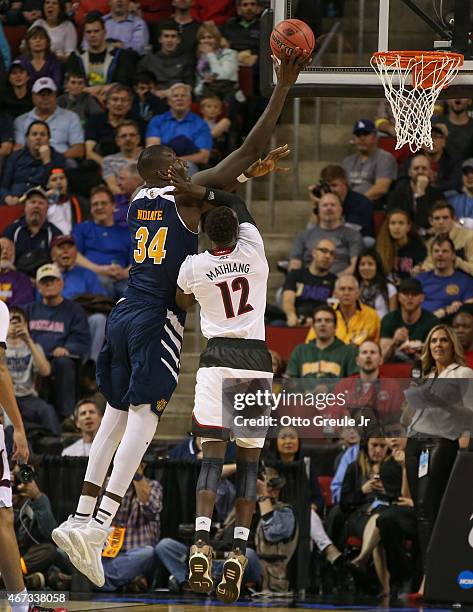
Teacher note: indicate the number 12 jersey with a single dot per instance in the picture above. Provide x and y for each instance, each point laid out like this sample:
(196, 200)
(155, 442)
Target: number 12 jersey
(230, 286)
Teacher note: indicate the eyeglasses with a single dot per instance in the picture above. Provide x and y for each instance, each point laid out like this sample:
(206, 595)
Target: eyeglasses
(326, 251)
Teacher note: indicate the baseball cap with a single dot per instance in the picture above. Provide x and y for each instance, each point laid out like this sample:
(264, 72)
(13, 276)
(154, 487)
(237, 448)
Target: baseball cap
(44, 83)
(58, 240)
(49, 270)
(410, 285)
(440, 128)
(468, 163)
(365, 126)
(35, 191)
(16, 64)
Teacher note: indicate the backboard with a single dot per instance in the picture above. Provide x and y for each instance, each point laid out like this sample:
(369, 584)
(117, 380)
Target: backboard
(341, 62)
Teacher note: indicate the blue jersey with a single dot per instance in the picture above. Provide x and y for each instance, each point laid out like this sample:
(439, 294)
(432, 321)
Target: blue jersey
(161, 242)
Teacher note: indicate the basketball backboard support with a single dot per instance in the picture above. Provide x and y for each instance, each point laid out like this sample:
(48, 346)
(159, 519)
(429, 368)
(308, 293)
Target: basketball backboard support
(341, 62)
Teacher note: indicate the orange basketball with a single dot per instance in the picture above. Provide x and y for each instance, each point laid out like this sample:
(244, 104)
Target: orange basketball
(289, 34)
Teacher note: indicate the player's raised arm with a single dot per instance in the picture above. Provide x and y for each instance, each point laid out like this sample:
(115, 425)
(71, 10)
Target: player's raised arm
(226, 172)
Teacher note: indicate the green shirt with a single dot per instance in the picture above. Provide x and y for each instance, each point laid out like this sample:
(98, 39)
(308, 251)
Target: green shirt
(337, 360)
(417, 331)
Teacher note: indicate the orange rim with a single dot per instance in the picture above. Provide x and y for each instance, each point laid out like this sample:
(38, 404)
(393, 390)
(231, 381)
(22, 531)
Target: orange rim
(406, 56)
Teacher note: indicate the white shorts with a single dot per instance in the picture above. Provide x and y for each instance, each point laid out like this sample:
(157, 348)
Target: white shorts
(5, 482)
(207, 413)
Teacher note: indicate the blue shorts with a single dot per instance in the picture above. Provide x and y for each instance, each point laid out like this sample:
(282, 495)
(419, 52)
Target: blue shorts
(140, 359)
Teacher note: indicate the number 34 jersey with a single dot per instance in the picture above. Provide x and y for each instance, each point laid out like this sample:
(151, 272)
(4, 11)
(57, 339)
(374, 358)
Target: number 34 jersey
(230, 286)
(160, 243)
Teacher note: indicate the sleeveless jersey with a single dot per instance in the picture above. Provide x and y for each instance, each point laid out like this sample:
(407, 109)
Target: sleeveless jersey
(230, 287)
(160, 243)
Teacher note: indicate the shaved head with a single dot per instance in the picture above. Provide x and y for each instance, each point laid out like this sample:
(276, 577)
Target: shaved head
(154, 159)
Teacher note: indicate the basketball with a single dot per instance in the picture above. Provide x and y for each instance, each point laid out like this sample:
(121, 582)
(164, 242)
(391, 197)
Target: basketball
(289, 34)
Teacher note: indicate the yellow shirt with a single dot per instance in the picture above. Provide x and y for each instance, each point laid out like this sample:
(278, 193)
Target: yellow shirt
(363, 325)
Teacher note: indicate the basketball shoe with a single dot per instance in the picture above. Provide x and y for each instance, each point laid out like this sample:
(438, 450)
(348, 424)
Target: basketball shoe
(88, 543)
(200, 567)
(228, 590)
(62, 537)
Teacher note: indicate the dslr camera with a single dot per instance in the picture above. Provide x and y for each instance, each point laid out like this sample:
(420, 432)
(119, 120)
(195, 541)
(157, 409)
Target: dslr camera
(321, 189)
(23, 475)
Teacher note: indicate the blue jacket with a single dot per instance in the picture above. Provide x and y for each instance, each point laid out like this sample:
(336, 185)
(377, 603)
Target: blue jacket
(79, 280)
(23, 171)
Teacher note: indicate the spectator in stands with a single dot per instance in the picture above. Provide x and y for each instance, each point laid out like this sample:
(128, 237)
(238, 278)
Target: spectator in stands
(60, 327)
(446, 169)
(218, 11)
(463, 202)
(243, 31)
(169, 65)
(84, 8)
(330, 226)
(356, 322)
(100, 139)
(211, 109)
(76, 99)
(187, 25)
(128, 181)
(371, 170)
(67, 136)
(145, 103)
(415, 194)
(326, 355)
(399, 245)
(32, 234)
(445, 288)
(79, 281)
(375, 475)
(30, 165)
(463, 326)
(217, 67)
(25, 361)
(15, 97)
(87, 419)
(6, 137)
(375, 290)
(460, 128)
(128, 139)
(309, 287)
(357, 209)
(38, 59)
(443, 222)
(368, 394)
(403, 331)
(5, 53)
(65, 209)
(125, 28)
(181, 129)
(101, 63)
(62, 32)
(104, 247)
(15, 287)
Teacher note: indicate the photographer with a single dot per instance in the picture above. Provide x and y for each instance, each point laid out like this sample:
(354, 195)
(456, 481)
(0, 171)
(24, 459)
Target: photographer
(357, 208)
(34, 522)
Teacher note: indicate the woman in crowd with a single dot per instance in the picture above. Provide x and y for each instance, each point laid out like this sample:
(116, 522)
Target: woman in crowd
(375, 290)
(287, 449)
(441, 414)
(399, 245)
(38, 59)
(61, 31)
(371, 484)
(217, 67)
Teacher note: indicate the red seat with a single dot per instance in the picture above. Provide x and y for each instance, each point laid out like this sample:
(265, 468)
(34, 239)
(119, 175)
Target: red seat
(15, 36)
(396, 370)
(284, 339)
(8, 214)
(245, 80)
(378, 218)
(324, 483)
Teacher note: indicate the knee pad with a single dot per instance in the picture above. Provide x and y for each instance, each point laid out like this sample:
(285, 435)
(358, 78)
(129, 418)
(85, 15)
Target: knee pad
(245, 481)
(210, 473)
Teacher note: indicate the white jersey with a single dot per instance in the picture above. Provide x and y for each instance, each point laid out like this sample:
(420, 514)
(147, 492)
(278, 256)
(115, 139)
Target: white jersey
(230, 287)
(4, 323)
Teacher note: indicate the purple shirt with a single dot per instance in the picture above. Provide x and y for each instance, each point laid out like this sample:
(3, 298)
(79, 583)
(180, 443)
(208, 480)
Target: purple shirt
(15, 288)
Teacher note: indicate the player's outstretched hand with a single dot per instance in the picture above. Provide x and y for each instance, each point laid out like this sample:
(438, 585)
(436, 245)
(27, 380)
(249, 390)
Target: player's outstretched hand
(269, 163)
(288, 67)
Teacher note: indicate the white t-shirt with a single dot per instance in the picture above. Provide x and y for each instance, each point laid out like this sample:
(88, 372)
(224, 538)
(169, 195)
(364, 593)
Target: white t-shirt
(77, 449)
(63, 37)
(230, 287)
(4, 323)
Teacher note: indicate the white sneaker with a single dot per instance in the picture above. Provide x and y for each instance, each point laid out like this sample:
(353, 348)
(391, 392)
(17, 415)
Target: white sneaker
(89, 542)
(62, 537)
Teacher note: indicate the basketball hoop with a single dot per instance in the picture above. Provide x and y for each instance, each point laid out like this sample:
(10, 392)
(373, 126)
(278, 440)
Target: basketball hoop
(412, 82)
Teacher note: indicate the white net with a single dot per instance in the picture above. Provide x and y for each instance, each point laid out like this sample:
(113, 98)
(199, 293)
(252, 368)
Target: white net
(412, 83)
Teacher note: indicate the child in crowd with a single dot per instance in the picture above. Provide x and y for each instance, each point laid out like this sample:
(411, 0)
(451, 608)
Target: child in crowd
(77, 99)
(211, 109)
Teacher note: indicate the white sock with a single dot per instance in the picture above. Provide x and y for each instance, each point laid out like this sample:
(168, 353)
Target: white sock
(203, 523)
(106, 512)
(241, 533)
(85, 508)
(19, 607)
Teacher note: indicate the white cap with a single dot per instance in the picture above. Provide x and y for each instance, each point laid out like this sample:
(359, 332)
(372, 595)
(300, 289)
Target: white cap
(44, 83)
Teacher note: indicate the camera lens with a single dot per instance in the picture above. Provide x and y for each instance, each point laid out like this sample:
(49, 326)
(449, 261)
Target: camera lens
(25, 474)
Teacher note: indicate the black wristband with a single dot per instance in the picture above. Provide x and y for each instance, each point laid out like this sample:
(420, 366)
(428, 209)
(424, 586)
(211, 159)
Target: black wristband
(209, 195)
